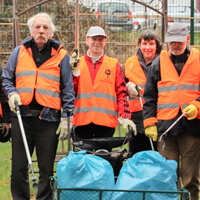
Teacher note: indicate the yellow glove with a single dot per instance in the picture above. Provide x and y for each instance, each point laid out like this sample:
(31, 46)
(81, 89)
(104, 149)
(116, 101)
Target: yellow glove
(191, 111)
(11, 101)
(151, 131)
(127, 122)
(74, 61)
(63, 128)
(131, 87)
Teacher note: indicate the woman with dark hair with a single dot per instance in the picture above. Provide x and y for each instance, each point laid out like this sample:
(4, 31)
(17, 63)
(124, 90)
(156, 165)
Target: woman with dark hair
(136, 71)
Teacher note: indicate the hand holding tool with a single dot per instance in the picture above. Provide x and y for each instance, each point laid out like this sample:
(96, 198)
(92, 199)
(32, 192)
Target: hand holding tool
(64, 127)
(125, 122)
(131, 87)
(12, 98)
(151, 131)
(74, 63)
(191, 111)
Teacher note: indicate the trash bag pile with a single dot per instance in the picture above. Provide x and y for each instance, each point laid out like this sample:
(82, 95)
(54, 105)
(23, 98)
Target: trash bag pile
(145, 171)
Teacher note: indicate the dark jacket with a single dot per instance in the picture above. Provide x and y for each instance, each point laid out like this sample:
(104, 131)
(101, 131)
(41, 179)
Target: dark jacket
(137, 117)
(66, 84)
(4, 103)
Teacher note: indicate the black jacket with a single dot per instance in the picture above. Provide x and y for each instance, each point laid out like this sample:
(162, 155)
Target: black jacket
(4, 103)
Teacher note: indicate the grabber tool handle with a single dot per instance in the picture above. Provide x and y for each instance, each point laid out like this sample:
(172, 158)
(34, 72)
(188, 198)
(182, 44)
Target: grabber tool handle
(137, 88)
(23, 133)
(76, 50)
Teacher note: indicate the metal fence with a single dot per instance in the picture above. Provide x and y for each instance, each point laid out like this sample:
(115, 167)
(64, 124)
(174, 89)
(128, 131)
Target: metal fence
(123, 21)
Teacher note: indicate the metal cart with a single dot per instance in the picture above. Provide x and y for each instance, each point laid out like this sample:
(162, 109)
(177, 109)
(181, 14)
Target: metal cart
(99, 194)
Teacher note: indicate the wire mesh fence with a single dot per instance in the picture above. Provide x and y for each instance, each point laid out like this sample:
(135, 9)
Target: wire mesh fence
(101, 194)
(123, 21)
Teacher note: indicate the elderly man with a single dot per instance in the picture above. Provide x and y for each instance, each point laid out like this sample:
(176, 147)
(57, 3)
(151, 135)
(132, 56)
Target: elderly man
(100, 91)
(172, 88)
(38, 76)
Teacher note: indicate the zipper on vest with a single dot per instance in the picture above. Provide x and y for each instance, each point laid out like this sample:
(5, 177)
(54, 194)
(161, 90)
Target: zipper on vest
(95, 64)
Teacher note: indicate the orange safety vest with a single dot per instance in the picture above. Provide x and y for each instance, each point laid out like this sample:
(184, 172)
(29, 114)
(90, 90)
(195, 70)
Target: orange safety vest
(1, 111)
(135, 74)
(45, 79)
(174, 91)
(97, 103)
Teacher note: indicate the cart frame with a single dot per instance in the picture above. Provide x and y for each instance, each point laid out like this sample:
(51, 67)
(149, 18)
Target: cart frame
(182, 195)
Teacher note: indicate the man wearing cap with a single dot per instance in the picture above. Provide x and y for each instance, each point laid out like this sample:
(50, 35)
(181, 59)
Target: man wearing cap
(100, 91)
(172, 88)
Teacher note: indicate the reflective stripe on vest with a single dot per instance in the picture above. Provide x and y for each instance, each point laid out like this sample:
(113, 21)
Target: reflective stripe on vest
(135, 74)
(175, 92)
(97, 103)
(45, 79)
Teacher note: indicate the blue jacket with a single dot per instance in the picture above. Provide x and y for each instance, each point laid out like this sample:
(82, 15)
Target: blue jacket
(66, 85)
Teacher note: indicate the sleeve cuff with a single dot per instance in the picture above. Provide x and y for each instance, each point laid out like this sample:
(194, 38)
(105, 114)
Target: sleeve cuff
(150, 122)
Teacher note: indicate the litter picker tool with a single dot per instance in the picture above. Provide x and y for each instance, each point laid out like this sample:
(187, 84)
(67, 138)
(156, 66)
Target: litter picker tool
(76, 46)
(69, 133)
(163, 136)
(137, 88)
(34, 178)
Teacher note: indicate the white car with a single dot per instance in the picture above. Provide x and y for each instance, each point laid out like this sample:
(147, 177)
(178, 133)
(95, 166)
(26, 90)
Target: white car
(179, 13)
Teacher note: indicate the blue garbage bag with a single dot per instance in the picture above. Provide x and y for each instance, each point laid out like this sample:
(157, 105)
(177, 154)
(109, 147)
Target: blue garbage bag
(80, 170)
(147, 171)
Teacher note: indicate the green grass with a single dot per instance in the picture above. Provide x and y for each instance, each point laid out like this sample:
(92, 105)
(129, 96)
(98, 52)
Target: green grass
(5, 167)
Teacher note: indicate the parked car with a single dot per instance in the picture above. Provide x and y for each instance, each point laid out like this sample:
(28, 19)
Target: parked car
(111, 12)
(142, 23)
(177, 13)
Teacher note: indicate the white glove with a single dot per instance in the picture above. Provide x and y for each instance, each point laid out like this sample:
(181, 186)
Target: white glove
(74, 60)
(63, 128)
(127, 122)
(131, 87)
(11, 101)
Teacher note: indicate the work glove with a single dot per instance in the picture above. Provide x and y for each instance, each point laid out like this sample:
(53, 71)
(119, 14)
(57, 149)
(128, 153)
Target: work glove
(63, 128)
(151, 132)
(191, 111)
(125, 122)
(11, 101)
(74, 64)
(132, 91)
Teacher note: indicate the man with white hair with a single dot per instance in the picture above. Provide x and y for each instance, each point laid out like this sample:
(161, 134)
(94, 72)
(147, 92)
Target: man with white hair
(38, 77)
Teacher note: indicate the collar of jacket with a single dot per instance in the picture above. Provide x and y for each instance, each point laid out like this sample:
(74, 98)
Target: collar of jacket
(53, 43)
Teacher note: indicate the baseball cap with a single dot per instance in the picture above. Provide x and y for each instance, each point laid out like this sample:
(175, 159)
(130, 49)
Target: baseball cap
(177, 32)
(96, 30)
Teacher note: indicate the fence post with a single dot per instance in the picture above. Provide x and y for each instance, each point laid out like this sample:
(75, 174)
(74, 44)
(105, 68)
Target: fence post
(192, 24)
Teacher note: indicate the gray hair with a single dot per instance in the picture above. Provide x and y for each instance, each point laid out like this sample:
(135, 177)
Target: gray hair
(31, 21)
(148, 35)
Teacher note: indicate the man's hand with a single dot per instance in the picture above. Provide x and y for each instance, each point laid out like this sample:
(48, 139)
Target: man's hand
(127, 122)
(6, 128)
(151, 132)
(74, 64)
(63, 128)
(132, 91)
(191, 111)
(11, 101)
